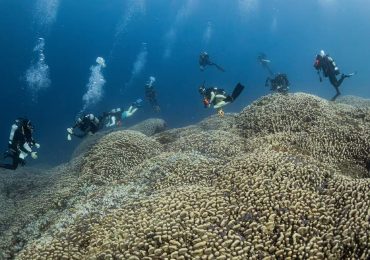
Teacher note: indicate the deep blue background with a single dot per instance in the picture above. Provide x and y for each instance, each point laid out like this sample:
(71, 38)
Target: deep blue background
(291, 33)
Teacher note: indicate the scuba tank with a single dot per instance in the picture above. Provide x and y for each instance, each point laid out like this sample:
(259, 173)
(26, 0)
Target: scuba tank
(333, 66)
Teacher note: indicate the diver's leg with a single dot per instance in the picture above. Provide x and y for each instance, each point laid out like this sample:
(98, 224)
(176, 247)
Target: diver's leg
(337, 94)
(221, 104)
(218, 67)
(12, 166)
(7, 166)
(340, 81)
(131, 111)
(333, 80)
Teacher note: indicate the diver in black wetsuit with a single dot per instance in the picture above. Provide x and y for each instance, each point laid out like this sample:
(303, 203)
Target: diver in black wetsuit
(204, 61)
(218, 97)
(326, 64)
(87, 124)
(151, 94)
(20, 144)
(279, 83)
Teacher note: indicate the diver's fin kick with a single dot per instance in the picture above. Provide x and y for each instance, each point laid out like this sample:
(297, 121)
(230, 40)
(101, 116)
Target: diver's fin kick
(219, 67)
(237, 91)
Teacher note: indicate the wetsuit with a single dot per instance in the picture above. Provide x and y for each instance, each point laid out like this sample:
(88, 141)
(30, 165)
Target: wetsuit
(20, 144)
(330, 70)
(204, 61)
(113, 117)
(88, 124)
(215, 95)
(151, 95)
(279, 83)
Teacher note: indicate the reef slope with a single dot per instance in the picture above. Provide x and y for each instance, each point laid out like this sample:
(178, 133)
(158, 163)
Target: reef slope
(287, 177)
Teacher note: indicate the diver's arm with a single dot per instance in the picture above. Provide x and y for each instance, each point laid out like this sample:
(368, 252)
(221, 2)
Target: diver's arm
(26, 148)
(75, 125)
(81, 135)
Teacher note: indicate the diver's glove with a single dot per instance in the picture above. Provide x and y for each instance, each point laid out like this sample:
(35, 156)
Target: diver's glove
(22, 155)
(70, 133)
(37, 145)
(34, 155)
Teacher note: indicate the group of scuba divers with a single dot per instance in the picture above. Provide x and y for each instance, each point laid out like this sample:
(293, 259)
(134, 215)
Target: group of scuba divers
(277, 82)
(21, 142)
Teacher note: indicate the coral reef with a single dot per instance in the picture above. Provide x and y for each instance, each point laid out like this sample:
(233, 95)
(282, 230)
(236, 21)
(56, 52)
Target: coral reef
(354, 101)
(287, 178)
(172, 169)
(150, 126)
(215, 122)
(115, 154)
(214, 143)
(31, 200)
(327, 131)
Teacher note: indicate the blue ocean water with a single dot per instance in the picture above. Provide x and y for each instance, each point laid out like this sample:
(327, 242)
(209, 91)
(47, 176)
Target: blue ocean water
(233, 32)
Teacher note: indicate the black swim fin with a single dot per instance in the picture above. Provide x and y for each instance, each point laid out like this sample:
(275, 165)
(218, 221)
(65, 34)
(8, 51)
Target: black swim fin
(237, 91)
(219, 67)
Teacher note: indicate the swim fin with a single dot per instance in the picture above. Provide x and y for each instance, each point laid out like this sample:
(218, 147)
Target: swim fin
(237, 91)
(351, 74)
(219, 67)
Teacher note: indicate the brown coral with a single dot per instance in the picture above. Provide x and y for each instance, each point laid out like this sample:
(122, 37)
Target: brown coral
(115, 154)
(214, 144)
(150, 126)
(268, 203)
(172, 169)
(276, 190)
(326, 131)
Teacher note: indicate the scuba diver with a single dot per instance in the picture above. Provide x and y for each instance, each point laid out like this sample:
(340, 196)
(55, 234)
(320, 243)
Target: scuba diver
(218, 97)
(151, 94)
(279, 83)
(262, 58)
(20, 144)
(87, 124)
(116, 116)
(330, 70)
(204, 61)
